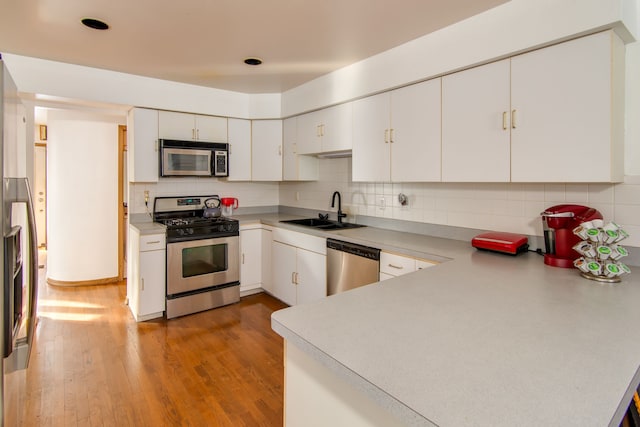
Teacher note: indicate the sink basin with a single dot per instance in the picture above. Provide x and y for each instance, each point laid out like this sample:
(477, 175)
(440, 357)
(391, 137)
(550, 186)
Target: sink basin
(309, 222)
(322, 224)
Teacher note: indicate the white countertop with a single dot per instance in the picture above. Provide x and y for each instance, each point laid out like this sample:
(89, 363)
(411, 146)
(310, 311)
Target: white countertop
(482, 340)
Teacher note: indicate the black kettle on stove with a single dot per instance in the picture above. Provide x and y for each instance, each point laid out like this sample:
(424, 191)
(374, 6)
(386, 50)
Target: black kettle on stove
(212, 208)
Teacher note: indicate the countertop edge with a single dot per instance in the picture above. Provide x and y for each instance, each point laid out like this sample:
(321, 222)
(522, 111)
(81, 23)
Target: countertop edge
(398, 409)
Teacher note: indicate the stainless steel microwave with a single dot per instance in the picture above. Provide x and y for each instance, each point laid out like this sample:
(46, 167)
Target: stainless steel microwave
(193, 158)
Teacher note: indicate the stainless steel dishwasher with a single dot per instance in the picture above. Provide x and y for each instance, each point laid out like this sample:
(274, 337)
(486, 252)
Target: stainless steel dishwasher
(350, 266)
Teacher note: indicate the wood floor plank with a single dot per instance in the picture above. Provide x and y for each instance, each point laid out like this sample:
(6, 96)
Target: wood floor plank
(93, 365)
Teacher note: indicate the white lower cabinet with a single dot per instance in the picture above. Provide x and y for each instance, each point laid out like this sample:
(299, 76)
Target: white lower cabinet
(250, 260)
(146, 275)
(393, 265)
(298, 267)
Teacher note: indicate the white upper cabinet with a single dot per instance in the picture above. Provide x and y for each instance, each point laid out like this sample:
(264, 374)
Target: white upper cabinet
(211, 128)
(296, 167)
(239, 150)
(416, 132)
(396, 135)
(475, 124)
(266, 149)
(324, 131)
(185, 126)
(142, 145)
(567, 102)
(337, 134)
(551, 115)
(309, 133)
(370, 157)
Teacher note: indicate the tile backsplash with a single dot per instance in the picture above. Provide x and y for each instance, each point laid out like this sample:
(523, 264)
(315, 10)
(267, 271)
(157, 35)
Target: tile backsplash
(501, 206)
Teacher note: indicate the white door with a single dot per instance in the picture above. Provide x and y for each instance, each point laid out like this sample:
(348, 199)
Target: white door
(338, 125)
(311, 276)
(180, 126)
(309, 133)
(40, 193)
(370, 156)
(475, 124)
(283, 268)
(250, 259)
(239, 150)
(416, 124)
(211, 128)
(289, 149)
(562, 98)
(266, 149)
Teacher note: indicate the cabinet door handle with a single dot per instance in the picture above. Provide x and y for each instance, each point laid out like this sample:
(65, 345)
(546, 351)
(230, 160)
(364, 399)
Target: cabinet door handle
(391, 135)
(243, 259)
(155, 146)
(293, 277)
(386, 136)
(279, 150)
(155, 242)
(197, 133)
(142, 283)
(297, 279)
(321, 130)
(513, 119)
(504, 120)
(398, 267)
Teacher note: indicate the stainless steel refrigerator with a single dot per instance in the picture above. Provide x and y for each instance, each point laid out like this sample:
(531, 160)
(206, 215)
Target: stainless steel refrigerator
(18, 262)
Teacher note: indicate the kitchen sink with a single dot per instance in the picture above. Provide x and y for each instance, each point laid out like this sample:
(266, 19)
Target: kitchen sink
(322, 224)
(309, 222)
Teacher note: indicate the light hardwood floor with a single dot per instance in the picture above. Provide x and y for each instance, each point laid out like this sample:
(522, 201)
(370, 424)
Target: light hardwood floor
(92, 365)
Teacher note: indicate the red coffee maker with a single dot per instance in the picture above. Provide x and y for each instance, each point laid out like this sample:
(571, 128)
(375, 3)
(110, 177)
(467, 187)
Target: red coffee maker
(558, 223)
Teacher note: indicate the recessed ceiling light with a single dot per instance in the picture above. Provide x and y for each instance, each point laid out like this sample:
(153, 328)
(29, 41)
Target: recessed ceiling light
(253, 61)
(96, 24)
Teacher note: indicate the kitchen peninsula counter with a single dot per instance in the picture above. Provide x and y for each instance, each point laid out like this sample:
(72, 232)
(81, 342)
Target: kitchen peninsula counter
(481, 340)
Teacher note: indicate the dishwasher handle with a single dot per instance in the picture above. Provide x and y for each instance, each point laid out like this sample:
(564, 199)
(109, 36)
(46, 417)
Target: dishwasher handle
(354, 249)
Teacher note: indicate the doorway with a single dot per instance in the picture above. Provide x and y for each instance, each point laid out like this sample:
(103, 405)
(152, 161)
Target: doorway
(40, 192)
(122, 202)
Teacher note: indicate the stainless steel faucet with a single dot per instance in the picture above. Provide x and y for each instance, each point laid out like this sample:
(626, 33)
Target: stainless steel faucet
(333, 203)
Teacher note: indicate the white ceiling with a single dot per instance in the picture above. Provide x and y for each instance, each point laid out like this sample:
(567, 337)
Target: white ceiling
(204, 42)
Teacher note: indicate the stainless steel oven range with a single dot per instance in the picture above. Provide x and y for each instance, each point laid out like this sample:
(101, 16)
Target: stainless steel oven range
(203, 255)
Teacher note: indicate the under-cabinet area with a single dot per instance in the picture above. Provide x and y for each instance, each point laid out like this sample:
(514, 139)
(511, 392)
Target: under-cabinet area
(527, 115)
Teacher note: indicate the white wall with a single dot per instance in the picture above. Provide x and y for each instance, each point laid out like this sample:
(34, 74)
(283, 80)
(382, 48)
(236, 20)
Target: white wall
(249, 194)
(82, 153)
(75, 82)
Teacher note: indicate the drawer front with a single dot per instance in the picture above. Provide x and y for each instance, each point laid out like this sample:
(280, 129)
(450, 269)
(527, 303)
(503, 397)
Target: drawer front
(423, 263)
(152, 242)
(301, 240)
(396, 265)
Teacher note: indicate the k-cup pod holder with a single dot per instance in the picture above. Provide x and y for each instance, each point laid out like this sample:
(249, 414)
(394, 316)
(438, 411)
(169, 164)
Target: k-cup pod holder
(600, 251)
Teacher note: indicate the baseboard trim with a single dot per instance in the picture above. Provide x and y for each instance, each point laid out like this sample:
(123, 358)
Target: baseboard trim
(68, 283)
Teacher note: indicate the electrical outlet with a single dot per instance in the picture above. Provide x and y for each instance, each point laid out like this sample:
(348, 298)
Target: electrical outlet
(146, 196)
(297, 196)
(382, 204)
